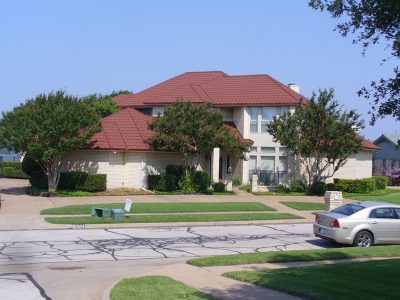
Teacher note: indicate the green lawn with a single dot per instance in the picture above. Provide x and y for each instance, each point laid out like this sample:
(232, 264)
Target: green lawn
(210, 192)
(358, 280)
(387, 195)
(179, 207)
(296, 255)
(304, 205)
(155, 288)
(175, 218)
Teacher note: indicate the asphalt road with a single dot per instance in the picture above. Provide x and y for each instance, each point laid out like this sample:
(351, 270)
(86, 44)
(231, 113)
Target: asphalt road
(82, 263)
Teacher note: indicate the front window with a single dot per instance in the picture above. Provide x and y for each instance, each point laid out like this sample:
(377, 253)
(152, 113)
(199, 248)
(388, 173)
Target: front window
(260, 117)
(267, 114)
(267, 163)
(253, 162)
(254, 119)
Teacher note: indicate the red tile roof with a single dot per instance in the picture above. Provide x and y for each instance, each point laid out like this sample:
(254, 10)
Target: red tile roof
(128, 130)
(215, 87)
(368, 145)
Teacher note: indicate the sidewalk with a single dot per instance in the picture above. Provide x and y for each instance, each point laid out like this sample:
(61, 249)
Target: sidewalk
(21, 211)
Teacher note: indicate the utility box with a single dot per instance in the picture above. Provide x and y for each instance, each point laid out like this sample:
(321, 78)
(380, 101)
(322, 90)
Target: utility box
(117, 213)
(333, 199)
(101, 212)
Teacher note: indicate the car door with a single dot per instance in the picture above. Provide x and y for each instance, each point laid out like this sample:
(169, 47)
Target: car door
(385, 224)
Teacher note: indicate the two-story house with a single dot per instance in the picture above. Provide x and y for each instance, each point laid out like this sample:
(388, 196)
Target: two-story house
(247, 102)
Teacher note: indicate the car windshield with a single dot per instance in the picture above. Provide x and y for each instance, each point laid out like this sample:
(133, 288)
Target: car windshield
(348, 209)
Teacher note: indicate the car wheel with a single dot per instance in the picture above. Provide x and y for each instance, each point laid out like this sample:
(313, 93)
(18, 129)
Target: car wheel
(363, 239)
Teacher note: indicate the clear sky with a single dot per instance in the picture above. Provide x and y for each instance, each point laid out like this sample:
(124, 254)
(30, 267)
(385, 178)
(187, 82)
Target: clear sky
(100, 46)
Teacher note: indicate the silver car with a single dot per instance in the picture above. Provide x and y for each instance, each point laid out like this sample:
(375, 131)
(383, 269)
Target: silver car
(361, 224)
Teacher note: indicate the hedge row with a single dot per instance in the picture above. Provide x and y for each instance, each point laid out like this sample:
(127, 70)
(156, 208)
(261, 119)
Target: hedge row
(10, 172)
(10, 164)
(74, 181)
(363, 186)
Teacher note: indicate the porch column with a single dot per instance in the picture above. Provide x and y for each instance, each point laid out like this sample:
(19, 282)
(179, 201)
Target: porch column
(215, 165)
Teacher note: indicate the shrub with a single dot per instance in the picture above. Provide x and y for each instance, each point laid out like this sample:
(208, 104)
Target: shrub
(246, 187)
(201, 181)
(236, 182)
(39, 180)
(331, 187)
(82, 181)
(175, 170)
(318, 188)
(10, 164)
(28, 165)
(152, 181)
(186, 184)
(362, 186)
(10, 172)
(298, 186)
(280, 188)
(380, 182)
(219, 187)
(393, 175)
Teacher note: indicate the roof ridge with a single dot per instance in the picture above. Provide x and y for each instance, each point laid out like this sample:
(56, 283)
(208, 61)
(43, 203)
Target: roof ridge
(130, 111)
(281, 85)
(199, 86)
(122, 136)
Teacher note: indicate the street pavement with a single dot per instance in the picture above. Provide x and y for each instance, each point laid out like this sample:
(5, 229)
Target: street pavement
(84, 263)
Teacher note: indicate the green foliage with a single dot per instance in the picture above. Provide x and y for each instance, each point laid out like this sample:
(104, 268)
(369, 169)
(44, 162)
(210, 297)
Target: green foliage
(29, 165)
(320, 133)
(298, 186)
(381, 182)
(46, 127)
(83, 181)
(163, 183)
(186, 184)
(374, 21)
(219, 187)
(318, 188)
(201, 181)
(192, 129)
(246, 187)
(362, 186)
(103, 104)
(236, 182)
(10, 164)
(176, 170)
(39, 179)
(280, 188)
(331, 187)
(10, 172)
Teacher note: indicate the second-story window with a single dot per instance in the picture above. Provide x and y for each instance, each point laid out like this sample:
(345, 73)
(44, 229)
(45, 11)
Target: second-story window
(254, 119)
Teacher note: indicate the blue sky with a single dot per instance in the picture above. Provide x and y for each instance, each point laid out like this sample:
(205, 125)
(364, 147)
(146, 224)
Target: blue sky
(101, 46)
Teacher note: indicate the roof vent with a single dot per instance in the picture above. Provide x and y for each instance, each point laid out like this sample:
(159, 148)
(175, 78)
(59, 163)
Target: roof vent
(294, 87)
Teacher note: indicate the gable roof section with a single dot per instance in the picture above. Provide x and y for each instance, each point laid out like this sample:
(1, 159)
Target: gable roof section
(214, 87)
(390, 137)
(368, 145)
(128, 130)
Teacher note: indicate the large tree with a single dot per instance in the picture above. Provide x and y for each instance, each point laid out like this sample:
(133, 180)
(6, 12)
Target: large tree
(104, 104)
(320, 134)
(46, 127)
(194, 129)
(372, 21)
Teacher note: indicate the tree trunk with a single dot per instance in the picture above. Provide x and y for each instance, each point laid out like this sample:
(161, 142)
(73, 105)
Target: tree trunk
(53, 172)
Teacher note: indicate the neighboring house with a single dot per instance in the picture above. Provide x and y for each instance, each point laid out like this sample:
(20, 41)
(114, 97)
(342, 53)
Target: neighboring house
(247, 102)
(388, 156)
(6, 155)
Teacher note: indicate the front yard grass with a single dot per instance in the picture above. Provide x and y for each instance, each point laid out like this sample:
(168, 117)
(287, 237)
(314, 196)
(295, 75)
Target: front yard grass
(179, 207)
(280, 194)
(175, 218)
(304, 205)
(296, 255)
(386, 195)
(155, 288)
(357, 280)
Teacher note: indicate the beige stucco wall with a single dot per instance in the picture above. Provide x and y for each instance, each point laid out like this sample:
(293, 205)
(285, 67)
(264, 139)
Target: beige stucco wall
(123, 169)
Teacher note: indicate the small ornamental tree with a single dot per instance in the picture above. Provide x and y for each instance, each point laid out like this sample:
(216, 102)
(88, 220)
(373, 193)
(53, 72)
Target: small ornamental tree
(193, 129)
(46, 127)
(320, 134)
(104, 104)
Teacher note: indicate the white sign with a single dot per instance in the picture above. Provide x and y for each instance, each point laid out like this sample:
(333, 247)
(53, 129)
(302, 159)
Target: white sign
(128, 205)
